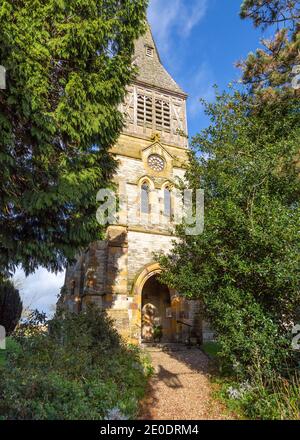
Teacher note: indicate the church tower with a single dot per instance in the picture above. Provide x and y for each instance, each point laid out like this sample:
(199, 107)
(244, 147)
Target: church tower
(120, 274)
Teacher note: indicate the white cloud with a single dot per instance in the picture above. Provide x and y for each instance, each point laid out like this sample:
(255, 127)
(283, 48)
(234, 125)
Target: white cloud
(39, 290)
(194, 16)
(181, 16)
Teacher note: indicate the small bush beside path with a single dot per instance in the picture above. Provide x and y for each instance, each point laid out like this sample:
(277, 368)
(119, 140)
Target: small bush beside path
(74, 368)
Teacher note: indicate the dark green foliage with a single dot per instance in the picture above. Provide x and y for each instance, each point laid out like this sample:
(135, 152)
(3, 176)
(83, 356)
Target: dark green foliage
(10, 306)
(211, 348)
(245, 266)
(270, 12)
(12, 346)
(68, 63)
(270, 72)
(79, 369)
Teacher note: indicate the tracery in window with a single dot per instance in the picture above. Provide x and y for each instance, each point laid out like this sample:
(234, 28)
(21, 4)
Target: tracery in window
(156, 162)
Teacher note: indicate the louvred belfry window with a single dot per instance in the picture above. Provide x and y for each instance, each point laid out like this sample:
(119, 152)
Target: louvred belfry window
(149, 51)
(162, 115)
(153, 113)
(144, 110)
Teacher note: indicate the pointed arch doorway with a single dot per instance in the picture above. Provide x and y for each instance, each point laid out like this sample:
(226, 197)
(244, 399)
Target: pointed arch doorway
(155, 304)
(157, 317)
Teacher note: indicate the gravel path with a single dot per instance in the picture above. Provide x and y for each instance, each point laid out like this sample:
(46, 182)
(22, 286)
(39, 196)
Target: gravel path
(181, 389)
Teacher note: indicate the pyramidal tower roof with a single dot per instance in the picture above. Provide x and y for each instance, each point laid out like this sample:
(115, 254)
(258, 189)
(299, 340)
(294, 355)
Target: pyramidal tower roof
(150, 68)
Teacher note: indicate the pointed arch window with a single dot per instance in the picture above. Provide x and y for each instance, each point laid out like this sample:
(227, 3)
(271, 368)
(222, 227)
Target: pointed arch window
(167, 202)
(145, 198)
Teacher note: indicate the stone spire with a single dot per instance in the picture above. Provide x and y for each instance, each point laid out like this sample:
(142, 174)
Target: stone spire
(151, 70)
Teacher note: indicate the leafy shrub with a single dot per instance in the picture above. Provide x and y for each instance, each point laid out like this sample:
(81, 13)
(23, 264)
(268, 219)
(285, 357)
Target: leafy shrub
(79, 369)
(12, 347)
(248, 336)
(211, 348)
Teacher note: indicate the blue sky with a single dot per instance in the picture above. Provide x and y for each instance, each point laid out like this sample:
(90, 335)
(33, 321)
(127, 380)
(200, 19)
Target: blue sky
(199, 42)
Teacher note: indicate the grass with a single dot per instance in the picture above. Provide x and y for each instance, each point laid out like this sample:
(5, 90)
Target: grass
(221, 387)
(259, 399)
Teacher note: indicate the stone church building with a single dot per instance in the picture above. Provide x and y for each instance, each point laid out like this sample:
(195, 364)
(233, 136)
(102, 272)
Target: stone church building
(120, 274)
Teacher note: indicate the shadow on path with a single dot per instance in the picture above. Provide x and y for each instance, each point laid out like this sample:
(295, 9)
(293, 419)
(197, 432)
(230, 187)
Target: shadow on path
(181, 389)
(170, 379)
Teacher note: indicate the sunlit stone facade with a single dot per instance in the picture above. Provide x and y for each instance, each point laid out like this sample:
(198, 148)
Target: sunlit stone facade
(120, 273)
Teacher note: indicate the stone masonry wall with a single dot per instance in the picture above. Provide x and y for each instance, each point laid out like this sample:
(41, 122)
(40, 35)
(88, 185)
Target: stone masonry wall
(141, 247)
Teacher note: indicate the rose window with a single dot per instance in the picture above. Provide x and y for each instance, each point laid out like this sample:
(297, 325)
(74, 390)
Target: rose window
(156, 162)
